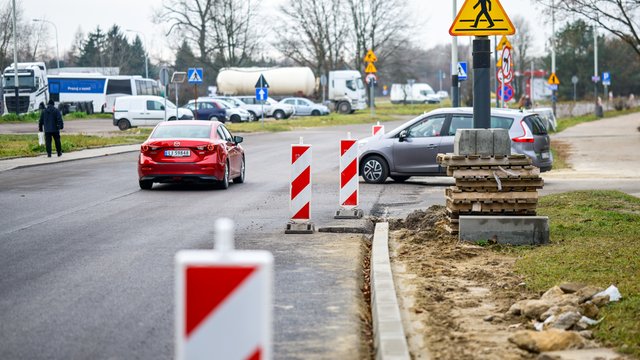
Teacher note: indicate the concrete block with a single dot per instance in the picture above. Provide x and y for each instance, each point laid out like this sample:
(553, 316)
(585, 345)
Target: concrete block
(512, 230)
(349, 214)
(465, 142)
(501, 142)
(484, 142)
(300, 228)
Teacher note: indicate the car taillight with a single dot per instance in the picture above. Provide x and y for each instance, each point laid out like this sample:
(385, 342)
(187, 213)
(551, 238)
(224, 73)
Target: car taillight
(208, 147)
(522, 140)
(144, 148)
(525, 137)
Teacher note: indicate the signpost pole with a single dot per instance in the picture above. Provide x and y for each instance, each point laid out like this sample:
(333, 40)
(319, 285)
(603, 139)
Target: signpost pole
(176, 100)
(455, 85)
(481, 82)
(554, 93)
(371, 94)
(595, 68)
(497, 82)
(195, 99)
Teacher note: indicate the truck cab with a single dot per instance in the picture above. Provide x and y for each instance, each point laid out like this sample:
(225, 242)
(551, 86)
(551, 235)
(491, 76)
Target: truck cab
(347, 92)
(33, 91)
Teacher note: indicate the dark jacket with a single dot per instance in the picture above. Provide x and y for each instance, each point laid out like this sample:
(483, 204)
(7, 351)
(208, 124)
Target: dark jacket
(51, 120)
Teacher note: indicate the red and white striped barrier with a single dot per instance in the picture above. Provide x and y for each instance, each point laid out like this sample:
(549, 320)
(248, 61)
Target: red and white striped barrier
(349, 181)
(377, 129)
(223, 303)
(300, 189)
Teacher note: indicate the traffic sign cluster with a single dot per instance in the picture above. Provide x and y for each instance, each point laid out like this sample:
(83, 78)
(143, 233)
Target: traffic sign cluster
(371, 70)
(505, 70)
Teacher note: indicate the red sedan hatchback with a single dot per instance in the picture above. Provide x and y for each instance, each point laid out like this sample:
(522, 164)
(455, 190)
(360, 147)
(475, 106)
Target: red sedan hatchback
(191, 150)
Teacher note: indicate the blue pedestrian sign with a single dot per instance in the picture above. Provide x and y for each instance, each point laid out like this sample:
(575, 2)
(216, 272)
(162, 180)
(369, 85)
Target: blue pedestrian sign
(194, 75)
(606, 78)
(262, 94)
(462, 71)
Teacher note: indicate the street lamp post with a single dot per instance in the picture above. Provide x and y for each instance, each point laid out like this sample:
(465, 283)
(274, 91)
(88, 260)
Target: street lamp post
(146, 57)
(56, 29)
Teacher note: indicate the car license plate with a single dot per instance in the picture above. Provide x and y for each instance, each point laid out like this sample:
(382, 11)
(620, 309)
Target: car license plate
(544, 155)
(177, 153)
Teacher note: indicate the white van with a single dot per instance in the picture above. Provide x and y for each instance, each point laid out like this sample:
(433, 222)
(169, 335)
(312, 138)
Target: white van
(145, 110)
(417, 93)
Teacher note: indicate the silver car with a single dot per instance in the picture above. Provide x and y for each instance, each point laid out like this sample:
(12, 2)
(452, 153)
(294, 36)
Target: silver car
(411, 149)
(306, 107)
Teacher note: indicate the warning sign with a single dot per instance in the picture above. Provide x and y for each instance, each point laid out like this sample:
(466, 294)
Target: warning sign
(553, 79)
(370, 57)
(371, 69)
(504, 43)
(482, 18)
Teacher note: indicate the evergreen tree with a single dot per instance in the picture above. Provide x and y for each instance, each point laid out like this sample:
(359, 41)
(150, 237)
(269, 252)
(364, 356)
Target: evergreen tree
(92, 53)
(185, 57)
(135, 65)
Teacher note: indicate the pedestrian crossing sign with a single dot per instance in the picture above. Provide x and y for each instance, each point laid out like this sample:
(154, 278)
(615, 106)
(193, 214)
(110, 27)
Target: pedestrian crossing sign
(482, 18)
(194, 75)
(371, 69)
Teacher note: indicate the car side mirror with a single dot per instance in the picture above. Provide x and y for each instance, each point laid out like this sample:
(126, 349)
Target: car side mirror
(162, 107)
(403, 135)
(238, 139)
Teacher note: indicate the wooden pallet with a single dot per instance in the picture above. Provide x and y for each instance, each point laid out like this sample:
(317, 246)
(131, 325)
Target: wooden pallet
(456, 195)
(491, 208)
(455, 216)
(524, 172)
(476, 160)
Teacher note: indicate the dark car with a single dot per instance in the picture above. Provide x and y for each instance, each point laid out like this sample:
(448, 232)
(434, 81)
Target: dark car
(411, 149)
(191, 151)
(208, 110)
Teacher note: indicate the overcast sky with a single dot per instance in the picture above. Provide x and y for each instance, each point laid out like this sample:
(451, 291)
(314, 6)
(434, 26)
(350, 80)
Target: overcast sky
(434, 18)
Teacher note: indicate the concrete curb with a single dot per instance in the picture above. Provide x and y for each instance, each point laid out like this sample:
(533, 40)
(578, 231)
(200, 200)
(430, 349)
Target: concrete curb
(17, 163)
(389, 340)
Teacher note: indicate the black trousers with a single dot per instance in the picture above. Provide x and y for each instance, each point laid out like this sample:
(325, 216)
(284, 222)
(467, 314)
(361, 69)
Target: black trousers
(47, 142)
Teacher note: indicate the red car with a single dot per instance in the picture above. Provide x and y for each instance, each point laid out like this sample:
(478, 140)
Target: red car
(191, 150)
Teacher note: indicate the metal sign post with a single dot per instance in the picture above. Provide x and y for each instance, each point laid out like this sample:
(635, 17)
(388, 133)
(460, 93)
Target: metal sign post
(164, 81)
(177, 78)
(481, 18)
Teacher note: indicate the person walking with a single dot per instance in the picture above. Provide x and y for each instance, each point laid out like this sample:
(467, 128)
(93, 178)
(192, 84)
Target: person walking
(51, 123)
(483, 11)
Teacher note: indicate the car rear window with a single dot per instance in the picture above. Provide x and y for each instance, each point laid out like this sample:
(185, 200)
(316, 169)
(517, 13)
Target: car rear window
(466, 122)
(536, 125)
(182, 132)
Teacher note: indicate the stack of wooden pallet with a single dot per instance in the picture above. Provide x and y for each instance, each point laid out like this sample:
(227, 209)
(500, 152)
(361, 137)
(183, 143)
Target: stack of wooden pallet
(490, 185)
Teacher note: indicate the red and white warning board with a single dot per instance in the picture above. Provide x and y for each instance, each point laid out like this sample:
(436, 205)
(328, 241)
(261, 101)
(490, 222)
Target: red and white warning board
(300, 188)
(223, 305)
(348, 173)
(377, 130)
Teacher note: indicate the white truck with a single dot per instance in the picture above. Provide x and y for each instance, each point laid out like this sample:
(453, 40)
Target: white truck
(346, 90)
(33, 92)
(418, 93)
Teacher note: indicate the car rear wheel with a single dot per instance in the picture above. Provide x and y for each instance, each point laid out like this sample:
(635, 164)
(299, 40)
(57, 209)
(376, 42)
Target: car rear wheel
(315, 113)
(235, 118)
(400, 178)
(374, 170)
(124, 124)
(172, 118)
(240, 178)
(278, 114)
(224, 183)
(145, 184)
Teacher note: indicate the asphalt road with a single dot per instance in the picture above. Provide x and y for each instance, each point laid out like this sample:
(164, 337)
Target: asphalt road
(87, 258)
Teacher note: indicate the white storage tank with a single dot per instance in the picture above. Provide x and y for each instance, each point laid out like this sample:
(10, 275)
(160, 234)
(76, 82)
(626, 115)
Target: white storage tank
(283, 81)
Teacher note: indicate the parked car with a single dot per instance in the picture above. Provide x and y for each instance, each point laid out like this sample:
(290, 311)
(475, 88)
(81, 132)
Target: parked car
(145, 110)
(207, 110)
(411, 149)
(271, 107)
(547, 117)
(191, 151)
(304, 107)
(254, 112)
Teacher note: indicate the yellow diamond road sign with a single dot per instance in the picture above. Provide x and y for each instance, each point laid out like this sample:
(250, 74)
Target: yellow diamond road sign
(553, 80)
(371, 69)
(370, 57)
(482, 18)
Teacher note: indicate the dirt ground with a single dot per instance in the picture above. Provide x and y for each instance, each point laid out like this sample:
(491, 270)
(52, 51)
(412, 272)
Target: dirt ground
(453, 295)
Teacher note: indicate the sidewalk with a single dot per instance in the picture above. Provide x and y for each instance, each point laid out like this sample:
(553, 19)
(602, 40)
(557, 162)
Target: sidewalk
(71, 156)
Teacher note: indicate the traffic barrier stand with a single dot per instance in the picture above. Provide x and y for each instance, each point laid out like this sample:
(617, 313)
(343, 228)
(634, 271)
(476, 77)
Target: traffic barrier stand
(349, 182)
(377, 129)
(300, 190)
(223, 301)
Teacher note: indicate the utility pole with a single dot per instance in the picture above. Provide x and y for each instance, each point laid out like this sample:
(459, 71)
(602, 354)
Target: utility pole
(481, 82)
(595, 67)
(495, 56)
(554, 92)
(15, 59)
(455, 85)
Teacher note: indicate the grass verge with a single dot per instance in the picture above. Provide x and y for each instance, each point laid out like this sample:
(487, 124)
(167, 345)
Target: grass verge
(27, 145)
(35, 116)
(565, 123)
(595, 239)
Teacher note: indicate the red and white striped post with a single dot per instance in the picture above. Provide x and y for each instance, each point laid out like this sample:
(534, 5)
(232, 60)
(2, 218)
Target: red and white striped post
(300, 190)
(377, 129)
(223, 301)
(349, 182)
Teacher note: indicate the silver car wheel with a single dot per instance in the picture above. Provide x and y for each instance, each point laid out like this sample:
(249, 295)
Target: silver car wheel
(372, 170)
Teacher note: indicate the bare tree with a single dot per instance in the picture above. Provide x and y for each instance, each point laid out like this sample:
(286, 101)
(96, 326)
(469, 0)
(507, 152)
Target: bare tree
(377, 25)
(619, 17)
(235, 36)
(314, 33)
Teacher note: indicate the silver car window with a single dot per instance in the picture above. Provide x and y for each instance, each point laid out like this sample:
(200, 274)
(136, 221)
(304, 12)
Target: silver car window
(429, 127)
(460, 122)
